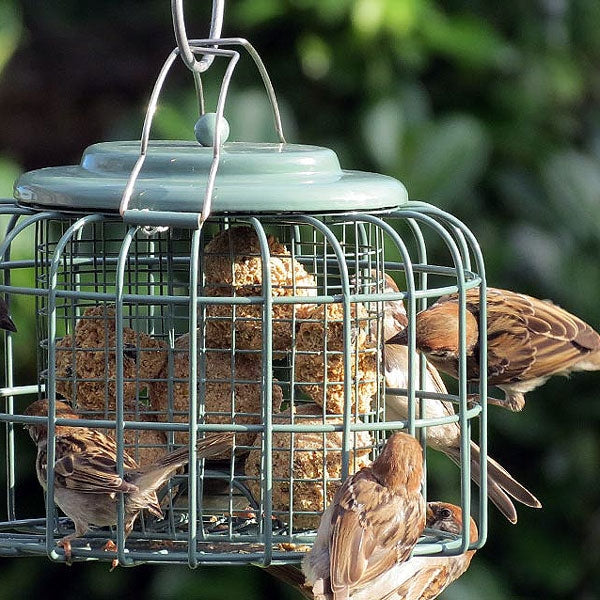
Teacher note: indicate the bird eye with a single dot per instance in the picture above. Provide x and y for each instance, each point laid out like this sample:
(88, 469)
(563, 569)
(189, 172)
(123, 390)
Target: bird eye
(446, 513)
(130, 351)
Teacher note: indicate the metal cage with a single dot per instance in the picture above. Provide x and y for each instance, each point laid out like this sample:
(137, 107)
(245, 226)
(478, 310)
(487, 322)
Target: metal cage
(152, 291)
(160, 325)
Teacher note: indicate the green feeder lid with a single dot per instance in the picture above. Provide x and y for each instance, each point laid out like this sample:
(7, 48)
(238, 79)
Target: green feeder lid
(251, 178)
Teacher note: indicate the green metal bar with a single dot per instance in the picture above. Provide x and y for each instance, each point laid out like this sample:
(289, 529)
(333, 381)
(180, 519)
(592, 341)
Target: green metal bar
(421, 305)
(267, 389)
(19, 390)
(347, 315)
(411, 298)
(193, 491)
(276, 427)
(462, 368)
(51, 385)
(8, 240)
(30, 547)
(241, 300)
(483, 440)
(119, 381)
(9, 381)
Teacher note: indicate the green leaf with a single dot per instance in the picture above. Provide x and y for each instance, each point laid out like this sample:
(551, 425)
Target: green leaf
(473, 42)
(9, 171)
(445, 160)
(11, 30)
(256, 12)
(572, 183)
(383, 127)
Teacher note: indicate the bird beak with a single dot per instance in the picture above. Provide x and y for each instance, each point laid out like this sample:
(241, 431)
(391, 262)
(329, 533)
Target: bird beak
(400, 339)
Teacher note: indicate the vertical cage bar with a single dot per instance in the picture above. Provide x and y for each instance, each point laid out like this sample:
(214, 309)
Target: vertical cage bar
(51, 385)
(9, 400)
(193, 408)
(119, 382)
(267, 380)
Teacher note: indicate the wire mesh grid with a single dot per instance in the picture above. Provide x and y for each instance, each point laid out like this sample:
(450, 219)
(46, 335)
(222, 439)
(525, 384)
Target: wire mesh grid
(139, 333)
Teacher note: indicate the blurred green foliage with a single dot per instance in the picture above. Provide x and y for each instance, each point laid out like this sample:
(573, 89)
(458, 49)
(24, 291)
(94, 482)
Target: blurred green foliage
(489, 110)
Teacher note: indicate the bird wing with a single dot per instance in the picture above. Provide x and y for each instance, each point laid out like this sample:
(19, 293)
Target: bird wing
(90, 468)
(372, 530)
(529, 338)
(425, 584)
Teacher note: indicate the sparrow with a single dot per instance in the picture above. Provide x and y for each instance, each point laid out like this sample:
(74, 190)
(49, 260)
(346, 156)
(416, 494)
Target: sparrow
(372, 524)
(419, 578)
(426, 577)
(86, 482)
(529, 340)
(443, 438)
(5, 321)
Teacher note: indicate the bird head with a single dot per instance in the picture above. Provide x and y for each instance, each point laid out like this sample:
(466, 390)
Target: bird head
(446, 517)
(437, 330)
(400, 464)
(39, 408)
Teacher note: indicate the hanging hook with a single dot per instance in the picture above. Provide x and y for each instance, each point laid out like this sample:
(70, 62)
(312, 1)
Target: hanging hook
(216, 24)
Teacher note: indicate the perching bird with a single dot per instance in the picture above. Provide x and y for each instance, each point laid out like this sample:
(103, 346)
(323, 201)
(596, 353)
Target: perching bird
(419, 578)
(528, 341)
(372, 524)
(86, 483)
(5, 321)
(444, 438)
(426, 577)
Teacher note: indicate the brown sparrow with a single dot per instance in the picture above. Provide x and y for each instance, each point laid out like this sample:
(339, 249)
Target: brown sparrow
(426, 577)
(444, 438)
(5, 321)
(85, 473)
(419, 578)
(372, 524)
(528, 341)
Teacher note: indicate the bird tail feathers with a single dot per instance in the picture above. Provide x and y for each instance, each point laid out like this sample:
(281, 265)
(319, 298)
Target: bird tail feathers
(501, 484)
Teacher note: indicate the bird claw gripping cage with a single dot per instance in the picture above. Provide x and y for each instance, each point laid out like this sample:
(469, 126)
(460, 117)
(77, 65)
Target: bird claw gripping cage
(182, 288)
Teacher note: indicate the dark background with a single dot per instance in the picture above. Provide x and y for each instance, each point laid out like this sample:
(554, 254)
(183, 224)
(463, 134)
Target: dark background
(489, 110)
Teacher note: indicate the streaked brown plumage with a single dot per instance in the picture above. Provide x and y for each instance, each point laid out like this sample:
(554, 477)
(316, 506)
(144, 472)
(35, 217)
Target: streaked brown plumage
(85, 473)
(529, 340)
(373, 523)
(426, 577)
(444, 438)
(419, 578)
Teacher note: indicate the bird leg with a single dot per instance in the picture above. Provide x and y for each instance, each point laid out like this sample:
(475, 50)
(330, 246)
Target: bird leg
(65, 543)
(110, 546)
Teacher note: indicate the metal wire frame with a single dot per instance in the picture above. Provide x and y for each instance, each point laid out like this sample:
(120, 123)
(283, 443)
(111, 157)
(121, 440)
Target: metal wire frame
(345, 243)
(187, 55)
(153, 219)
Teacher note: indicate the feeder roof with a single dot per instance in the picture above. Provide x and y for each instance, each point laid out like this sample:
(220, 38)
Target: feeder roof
(251, 178)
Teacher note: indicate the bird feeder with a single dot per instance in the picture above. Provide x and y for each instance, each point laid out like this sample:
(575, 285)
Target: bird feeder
(185, 287)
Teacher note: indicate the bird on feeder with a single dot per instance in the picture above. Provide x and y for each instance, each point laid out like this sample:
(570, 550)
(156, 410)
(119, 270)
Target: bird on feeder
(418, 578)
(444, 438)
(86, 481)
(528, 341)
(373, 523)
